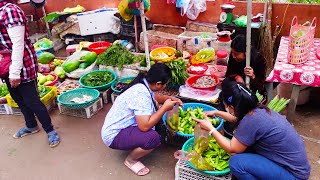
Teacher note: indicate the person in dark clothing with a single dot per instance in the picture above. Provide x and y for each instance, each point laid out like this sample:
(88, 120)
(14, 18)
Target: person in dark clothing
(237, 65)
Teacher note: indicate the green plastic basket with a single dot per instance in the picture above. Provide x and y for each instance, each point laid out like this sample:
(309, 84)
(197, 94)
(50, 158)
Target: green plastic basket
(113, 85)
(188, 146)
(100, 88)
(65, 98)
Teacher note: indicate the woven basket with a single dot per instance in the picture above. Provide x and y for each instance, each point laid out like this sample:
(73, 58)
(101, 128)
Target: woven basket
(299, 47)
(65, 98)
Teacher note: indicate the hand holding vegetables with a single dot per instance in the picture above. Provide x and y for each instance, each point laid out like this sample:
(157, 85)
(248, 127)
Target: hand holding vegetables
(205, 124)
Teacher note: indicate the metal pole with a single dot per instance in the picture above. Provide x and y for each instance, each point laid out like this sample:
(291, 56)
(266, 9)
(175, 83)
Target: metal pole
(47, 24)
(136, 32)
(248, 47)
(145, 37)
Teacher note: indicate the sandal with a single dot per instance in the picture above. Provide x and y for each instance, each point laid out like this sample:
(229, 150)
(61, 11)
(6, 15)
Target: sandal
(24, 132)
(138, 168)
(54, 139)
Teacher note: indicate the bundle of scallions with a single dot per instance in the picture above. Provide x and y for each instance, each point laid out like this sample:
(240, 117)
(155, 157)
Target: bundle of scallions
(276, 104)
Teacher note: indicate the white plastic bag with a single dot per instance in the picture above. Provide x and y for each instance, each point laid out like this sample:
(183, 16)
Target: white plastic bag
(195, 8)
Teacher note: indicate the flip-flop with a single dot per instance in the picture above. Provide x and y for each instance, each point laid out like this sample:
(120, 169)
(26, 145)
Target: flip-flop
(54, 139)
(137, 167)
(24, 132)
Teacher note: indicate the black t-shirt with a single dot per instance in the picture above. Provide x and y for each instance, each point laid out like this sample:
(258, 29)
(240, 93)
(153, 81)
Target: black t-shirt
(258, 64)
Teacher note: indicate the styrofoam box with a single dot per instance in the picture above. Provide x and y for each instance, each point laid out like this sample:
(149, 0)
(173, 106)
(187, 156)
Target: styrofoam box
(99, 21)
(17, 111)
(85, 113)
(184, 172)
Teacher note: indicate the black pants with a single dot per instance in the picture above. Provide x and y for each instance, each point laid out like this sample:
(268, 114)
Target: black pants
(27, 98)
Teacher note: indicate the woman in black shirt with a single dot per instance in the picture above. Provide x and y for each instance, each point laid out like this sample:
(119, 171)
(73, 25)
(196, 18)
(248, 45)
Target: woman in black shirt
(237, 65)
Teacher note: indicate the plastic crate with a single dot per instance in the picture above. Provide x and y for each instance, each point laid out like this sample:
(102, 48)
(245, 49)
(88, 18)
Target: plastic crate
(5, 109)
(46, 100)
(104, 96)
(114, 96)
(85, 113)
(17, 111)
(185, 172)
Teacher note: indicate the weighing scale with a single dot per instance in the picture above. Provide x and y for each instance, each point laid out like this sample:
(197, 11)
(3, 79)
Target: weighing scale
(226, 15)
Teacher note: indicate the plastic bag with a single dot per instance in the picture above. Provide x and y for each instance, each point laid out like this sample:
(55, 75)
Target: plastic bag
(201, 143)
(173, 119)
(195, 8)
(241, 21)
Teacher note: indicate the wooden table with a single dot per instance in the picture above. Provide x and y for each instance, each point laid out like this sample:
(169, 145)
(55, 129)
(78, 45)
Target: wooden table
(306, 74)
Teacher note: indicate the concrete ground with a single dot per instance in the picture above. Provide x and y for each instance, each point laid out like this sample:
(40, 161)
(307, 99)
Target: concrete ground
(83, 156)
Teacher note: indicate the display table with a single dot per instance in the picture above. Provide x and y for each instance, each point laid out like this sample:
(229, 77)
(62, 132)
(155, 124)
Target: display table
(306, 74)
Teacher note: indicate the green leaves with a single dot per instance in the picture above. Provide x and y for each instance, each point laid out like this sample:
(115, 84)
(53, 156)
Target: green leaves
(97, 79)
(3, 90)
(179, 73)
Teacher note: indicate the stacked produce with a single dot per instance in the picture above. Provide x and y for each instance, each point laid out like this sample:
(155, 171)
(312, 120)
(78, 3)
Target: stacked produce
(43, 90)
(186, 123)
(97, 78)
(117, 55)
(3, 90)
(45, 79)
(278, 104)
(44, 59)
(67, 86)
(179, 73)
(82, 63)
(56, 63)
(121, 85)
(214, 155)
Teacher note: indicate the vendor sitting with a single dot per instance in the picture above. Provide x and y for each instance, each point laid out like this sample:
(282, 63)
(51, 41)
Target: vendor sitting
(129, 125)
(265, 145)
(237, 65)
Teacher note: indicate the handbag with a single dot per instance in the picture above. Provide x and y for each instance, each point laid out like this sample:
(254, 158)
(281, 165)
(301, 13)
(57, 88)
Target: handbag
(5, 62)
(5, 57)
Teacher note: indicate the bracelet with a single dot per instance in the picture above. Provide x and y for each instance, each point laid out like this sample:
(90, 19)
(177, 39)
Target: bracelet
(210, 132)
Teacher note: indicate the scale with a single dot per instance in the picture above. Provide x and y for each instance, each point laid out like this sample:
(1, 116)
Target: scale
(226, 15)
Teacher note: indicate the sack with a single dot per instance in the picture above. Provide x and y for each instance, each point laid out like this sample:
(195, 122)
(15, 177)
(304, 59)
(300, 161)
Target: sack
(5, 62)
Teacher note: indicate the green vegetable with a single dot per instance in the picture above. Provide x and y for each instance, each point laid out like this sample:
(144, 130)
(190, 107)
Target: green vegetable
(43, 90)
(71, 65)
(84, 65)
(3, 90)
(97, 79)
(60, 72)
(89, 58)
(179, 73)
(277, 104)
(259, 96)
(45, 58)
(178, 53)
(186, 122)
(117, 55)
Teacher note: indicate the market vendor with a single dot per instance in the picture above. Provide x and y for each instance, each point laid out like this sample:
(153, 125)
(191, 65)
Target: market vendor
(237, 65)
(129, 125)
(265, 145)
(21, 78)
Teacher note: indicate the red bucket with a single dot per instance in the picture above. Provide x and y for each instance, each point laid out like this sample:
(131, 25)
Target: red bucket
(99, 47)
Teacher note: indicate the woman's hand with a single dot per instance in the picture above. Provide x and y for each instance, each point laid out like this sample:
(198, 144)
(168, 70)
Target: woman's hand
(211, 113)
(248, 71)
(178, 100)
(205, 124)
(168, 104)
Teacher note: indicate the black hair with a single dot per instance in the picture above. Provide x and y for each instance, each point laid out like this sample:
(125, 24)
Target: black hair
(239, 43)
(240, 97)
(158, 72)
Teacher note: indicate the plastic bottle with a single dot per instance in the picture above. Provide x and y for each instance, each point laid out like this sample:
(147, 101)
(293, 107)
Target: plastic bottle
(222, 57)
